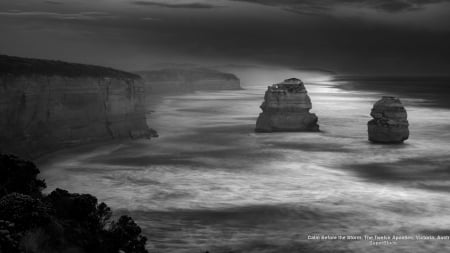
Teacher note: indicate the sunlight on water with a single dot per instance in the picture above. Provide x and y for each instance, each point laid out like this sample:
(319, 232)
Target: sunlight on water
(209, 176)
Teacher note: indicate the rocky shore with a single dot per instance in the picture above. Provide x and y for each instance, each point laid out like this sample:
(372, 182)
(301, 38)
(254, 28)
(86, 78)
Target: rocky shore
(286, 108)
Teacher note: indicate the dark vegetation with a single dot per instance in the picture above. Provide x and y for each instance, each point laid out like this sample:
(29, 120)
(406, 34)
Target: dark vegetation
(25, 66)
(31, 221)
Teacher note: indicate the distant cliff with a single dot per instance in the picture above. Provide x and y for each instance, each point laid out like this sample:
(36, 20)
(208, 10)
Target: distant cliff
(188, 79)
(46, 105)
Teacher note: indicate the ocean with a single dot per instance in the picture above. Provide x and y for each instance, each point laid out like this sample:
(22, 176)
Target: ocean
(210, 183)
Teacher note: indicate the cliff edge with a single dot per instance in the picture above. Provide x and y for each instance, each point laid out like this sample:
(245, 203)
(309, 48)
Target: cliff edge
(177, 80)
(47, 105)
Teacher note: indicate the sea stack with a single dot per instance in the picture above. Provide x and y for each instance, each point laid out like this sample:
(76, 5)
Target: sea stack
(286, 109)
(389, 123)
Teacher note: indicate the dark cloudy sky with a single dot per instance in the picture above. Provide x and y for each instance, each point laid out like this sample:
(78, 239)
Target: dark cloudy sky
(347, 36)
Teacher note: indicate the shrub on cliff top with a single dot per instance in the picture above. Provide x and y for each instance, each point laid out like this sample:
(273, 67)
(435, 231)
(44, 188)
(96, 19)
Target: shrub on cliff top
(59, 222)
(125, 235)
(81, 217)
(80, 208)
(24, 211)
(20, 176)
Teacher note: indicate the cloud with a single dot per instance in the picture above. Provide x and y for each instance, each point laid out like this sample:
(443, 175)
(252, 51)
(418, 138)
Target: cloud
(347, 41)
(180, 5)
(56, 15)
(323, 6)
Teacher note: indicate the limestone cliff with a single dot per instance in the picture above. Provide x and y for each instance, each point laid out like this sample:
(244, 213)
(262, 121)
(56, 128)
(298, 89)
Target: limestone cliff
(286, 108)
(389, 123)
(188, 79)
(47, 105)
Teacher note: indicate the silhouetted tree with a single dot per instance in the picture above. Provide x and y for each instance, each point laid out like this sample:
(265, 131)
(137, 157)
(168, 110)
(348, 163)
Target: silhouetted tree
(20, 176)
(59, 222)
(80, 208)
(24, 211)
(125, 235)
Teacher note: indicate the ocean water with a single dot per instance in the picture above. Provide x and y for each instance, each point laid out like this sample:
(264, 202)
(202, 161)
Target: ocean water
(209, 183)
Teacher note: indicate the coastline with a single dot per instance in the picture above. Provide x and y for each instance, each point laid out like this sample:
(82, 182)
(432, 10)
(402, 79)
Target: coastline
(62, 153)
(198, 173)
(151, 101)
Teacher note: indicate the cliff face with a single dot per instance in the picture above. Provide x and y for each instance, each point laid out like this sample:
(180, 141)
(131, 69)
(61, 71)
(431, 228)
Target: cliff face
(286, 108)
(389, 123)
(54, 108)
(186, 80)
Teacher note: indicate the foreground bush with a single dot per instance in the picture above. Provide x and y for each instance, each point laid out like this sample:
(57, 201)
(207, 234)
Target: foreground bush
(59, 222)
(19, 176)
(24, 211)
(126, 235)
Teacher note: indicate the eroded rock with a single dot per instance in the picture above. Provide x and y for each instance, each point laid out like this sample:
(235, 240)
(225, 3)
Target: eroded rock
(389, 123)
(286, 108)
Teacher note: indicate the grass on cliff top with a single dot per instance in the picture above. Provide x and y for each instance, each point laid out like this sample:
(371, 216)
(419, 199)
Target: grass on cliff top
(27, 66)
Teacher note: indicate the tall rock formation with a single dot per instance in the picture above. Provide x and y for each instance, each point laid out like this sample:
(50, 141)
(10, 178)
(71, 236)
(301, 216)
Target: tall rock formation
(47, 105)
(177, 80)
(286, 108)
(389, 123)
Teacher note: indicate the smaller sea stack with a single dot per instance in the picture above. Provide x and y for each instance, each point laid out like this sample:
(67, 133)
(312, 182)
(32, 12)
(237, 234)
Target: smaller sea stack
(389, 123)
(286, 109)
